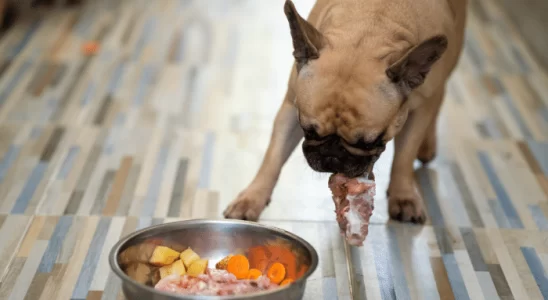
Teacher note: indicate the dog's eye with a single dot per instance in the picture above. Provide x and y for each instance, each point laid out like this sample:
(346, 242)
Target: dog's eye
(377, 143)
(311, 134)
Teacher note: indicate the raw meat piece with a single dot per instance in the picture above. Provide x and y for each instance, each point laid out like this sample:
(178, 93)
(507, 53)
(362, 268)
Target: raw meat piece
(354, 206)
(213, 283)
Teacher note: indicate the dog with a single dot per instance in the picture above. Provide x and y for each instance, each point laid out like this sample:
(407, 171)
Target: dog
(365, 72)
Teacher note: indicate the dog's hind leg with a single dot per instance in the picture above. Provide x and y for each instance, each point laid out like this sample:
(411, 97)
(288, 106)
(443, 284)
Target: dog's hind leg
(286, 134)
(404, 200)
(428, 147)
(427, 150)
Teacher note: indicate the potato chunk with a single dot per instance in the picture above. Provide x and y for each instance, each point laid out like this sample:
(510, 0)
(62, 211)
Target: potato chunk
(163, 256)
(189, 256)
(221, 265)
(198, 267)
(175, 268)
(178, 267)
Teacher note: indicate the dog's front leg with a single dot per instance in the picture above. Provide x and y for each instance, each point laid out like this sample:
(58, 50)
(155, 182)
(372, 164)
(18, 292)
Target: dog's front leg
(404, 200)
(286, 135)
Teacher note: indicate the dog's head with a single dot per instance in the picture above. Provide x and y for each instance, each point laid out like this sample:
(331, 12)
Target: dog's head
(350, 106)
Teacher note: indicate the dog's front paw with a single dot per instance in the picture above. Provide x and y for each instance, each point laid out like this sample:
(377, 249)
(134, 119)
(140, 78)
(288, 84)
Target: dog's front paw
(406, 205)
(248, 205)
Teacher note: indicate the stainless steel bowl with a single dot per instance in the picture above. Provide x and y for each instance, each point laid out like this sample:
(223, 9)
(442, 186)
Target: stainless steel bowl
(212, 239)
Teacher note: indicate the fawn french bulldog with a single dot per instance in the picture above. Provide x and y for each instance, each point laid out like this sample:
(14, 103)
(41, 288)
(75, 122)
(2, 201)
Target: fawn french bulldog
(365, 72)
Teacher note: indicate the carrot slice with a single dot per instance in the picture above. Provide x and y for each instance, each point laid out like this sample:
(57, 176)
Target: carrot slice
(276, 273)
(284, 255)
(254, 274)
(287, 281)
(239, 266)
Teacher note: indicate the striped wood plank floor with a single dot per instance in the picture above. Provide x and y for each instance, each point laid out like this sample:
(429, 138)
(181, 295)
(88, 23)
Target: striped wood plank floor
(171, 118)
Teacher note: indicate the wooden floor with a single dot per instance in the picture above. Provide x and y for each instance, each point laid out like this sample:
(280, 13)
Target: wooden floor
(171, 118)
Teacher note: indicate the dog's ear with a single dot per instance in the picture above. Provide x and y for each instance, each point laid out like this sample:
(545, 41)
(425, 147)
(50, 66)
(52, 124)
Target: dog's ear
(307, 40)
(410, 71)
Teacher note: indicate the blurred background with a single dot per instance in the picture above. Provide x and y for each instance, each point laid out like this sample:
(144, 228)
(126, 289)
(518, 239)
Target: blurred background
(115, 115)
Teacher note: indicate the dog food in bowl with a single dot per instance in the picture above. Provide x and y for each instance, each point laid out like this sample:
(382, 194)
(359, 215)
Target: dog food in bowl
(145, 257)
(259, 268)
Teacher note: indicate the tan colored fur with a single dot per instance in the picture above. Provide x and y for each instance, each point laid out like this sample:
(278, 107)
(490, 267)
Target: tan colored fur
(341, 89)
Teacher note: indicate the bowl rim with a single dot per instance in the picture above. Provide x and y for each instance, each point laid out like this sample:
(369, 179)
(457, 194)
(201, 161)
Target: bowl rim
(116, 268)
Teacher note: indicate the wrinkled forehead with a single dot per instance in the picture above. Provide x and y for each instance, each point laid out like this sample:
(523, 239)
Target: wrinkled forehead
(355, 89)
(360, 77)
(337, 99)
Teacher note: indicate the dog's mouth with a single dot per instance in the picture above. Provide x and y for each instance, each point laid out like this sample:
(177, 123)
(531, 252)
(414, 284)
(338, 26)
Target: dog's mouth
(335, 158)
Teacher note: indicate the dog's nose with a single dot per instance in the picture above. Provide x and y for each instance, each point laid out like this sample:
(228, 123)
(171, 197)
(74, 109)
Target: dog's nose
(333, 163)
(311, 132)
(332, 147)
